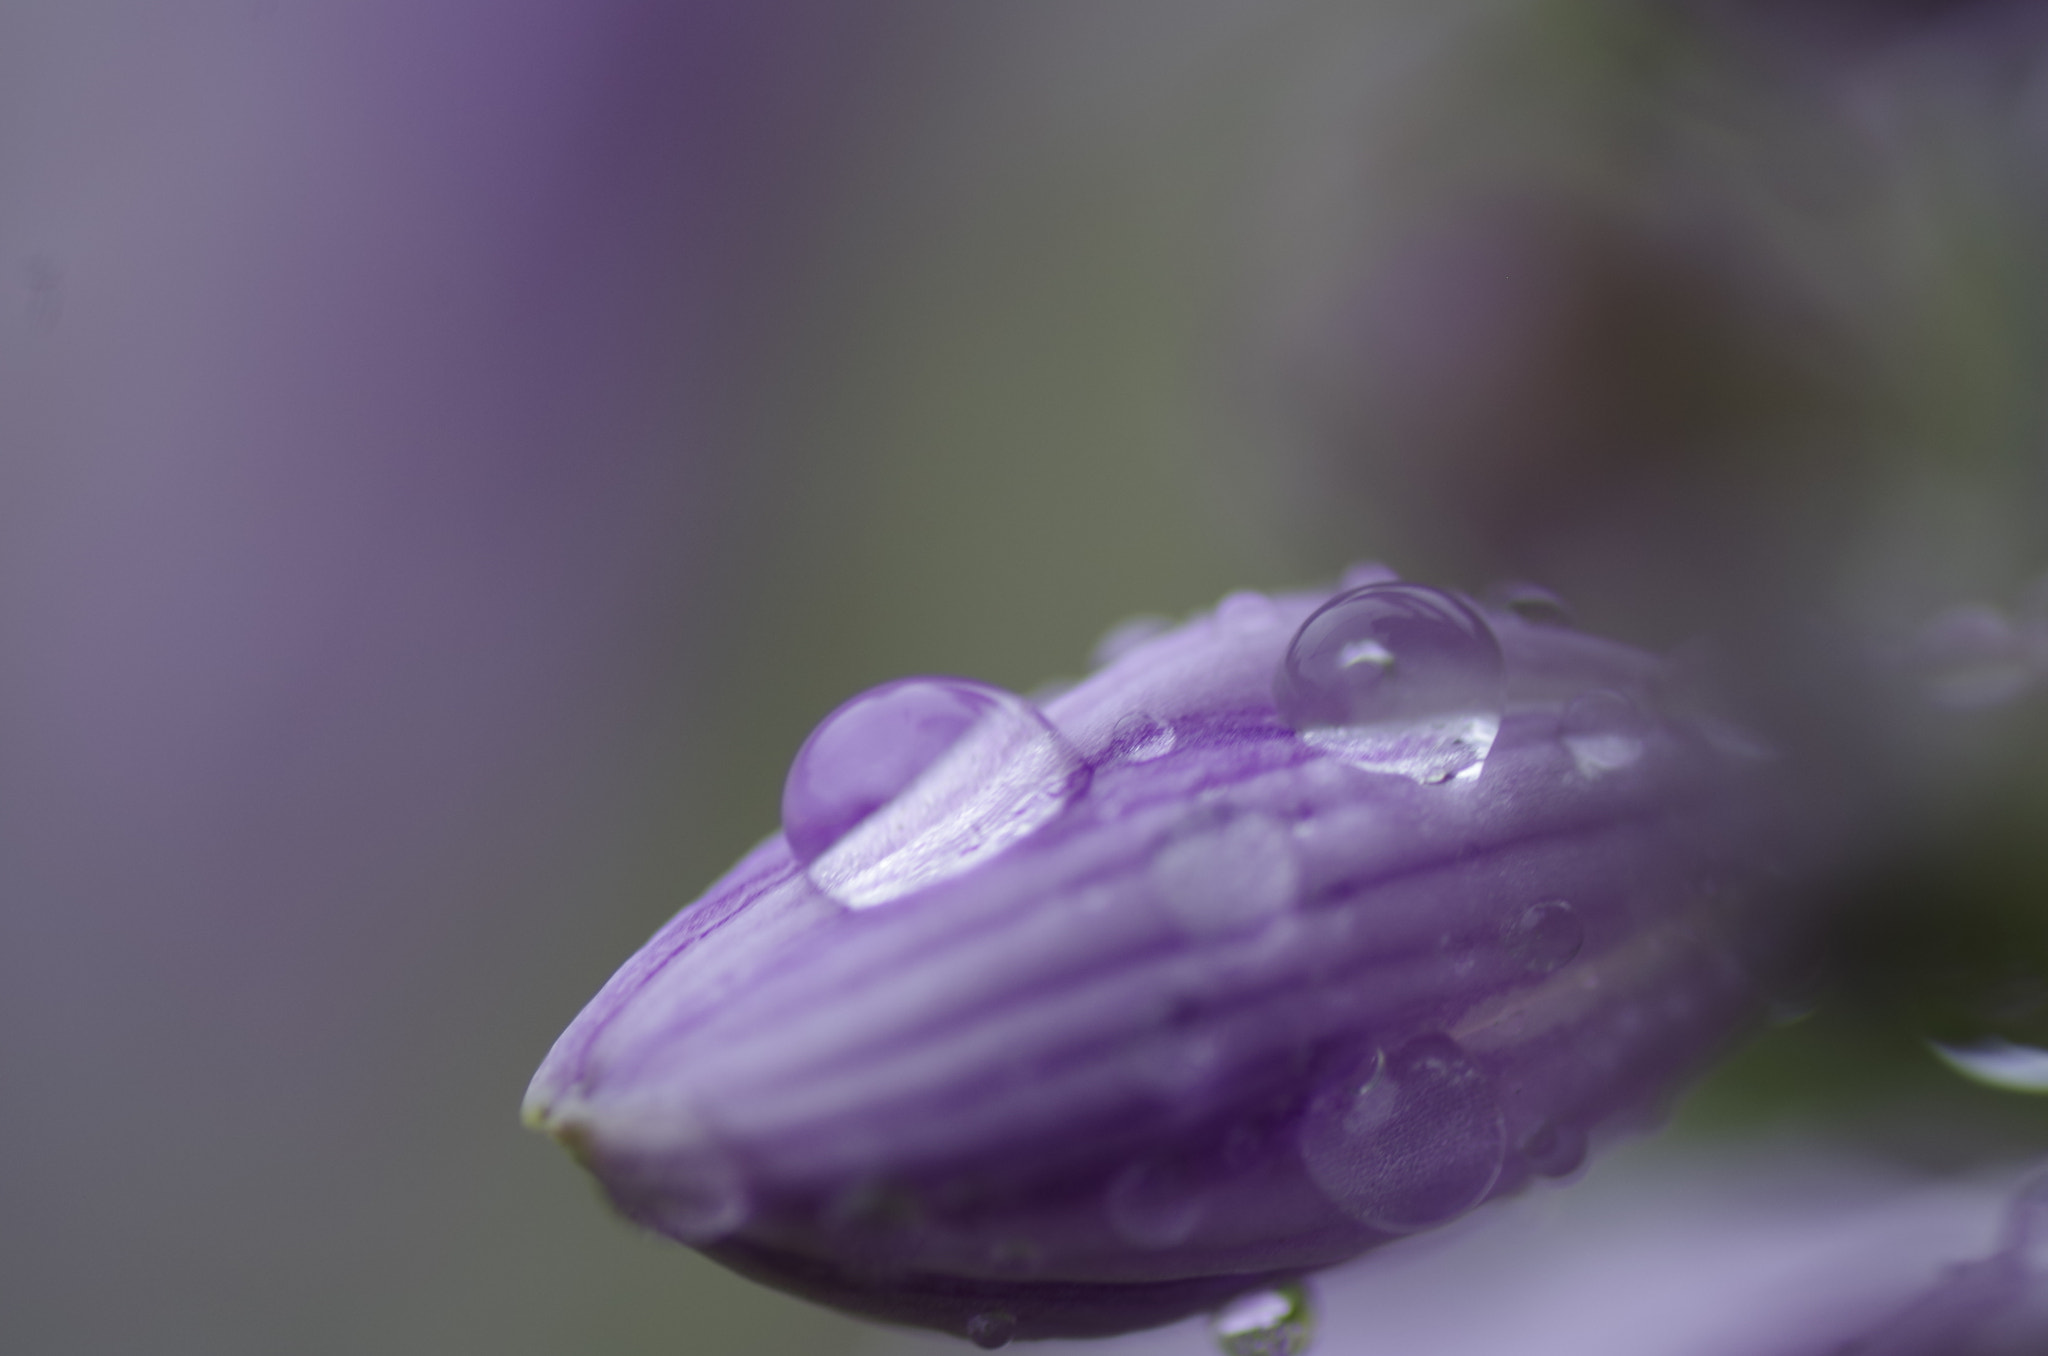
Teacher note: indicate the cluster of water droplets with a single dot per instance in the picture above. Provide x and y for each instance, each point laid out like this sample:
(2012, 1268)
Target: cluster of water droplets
(919, 780)
(1398, 678)
(1275, 1322)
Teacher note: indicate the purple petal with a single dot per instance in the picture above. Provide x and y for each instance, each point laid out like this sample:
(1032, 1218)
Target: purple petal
(1239, 999)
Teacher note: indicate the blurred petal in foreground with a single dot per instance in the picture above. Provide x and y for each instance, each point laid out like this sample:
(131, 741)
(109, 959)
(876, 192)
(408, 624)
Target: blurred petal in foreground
(1780, 1252)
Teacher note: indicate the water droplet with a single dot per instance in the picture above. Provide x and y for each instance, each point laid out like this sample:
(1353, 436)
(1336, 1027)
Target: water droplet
(1406, 1141)
(1997, 1062)
(1154, 1205)
(920, 780)
(1972, 656)
(1604, 731)
(1141, 737)
(1228, 877)
(695, 1197)
(992, 1330)
(1545, 937)
(1276, 1322)
(1395, 678)
(1553, 1150)
(1532, 603)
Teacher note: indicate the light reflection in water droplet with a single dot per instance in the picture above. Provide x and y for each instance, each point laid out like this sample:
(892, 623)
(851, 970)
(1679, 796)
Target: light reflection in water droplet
(920, 780)
(1397, 678)
(1276, 1322)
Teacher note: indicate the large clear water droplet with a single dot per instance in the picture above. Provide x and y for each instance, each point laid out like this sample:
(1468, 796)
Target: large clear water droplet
(1997, 1062)
(1276, 1322)
(1232, 876)
(992, 1330)
(1406, 1141)
(1152, 1204)
(1544, 937)
(920, 780)
(1396, 678)
(1604, 731)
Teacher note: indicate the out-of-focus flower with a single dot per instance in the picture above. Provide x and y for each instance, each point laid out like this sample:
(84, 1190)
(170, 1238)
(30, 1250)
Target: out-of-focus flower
(1765, 1250)
(1314, 923)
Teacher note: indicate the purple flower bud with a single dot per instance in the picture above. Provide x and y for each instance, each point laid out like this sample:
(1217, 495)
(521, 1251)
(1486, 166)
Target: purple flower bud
(1310, 924)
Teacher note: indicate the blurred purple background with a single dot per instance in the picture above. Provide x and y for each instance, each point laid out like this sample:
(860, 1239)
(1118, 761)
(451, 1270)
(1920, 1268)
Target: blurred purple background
(377, 388)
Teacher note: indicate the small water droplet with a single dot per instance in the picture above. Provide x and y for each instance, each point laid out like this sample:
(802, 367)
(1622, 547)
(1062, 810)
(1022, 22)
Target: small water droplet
(992, 1330)
(1997, 1062)
(1153, 1204)
(1531, 602)
(1604, 731)
(1141, 737)
(694, 1196)
(1406, 1141)
(1228, 877)
(919, 780)
(1545, 937)
(1553, 1150)
(1972, 656)
(1395, 678)
(1276, 1322)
